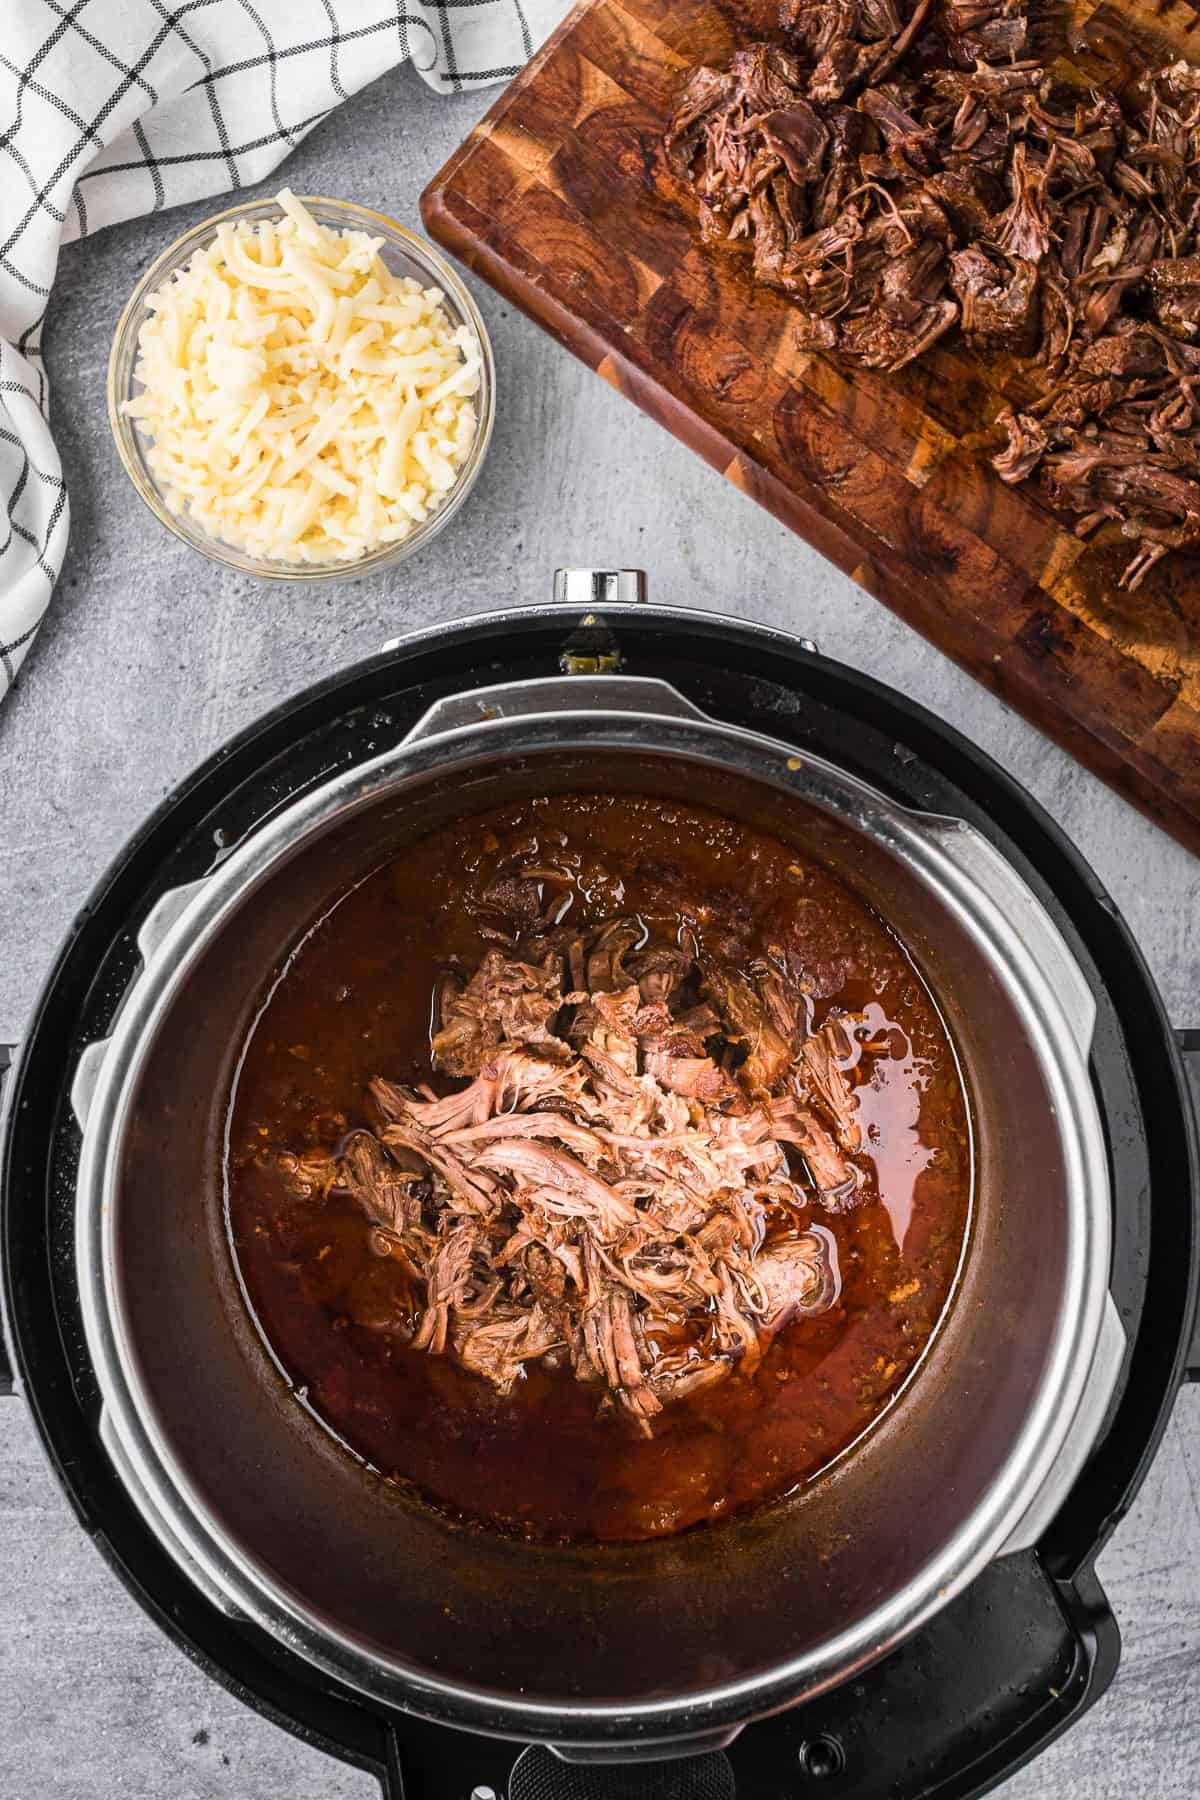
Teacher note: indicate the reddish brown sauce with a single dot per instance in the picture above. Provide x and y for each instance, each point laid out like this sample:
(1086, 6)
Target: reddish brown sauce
(353, 1001)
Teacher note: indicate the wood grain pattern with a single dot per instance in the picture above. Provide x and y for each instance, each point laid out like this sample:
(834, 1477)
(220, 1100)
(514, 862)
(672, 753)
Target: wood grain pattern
(560, 199)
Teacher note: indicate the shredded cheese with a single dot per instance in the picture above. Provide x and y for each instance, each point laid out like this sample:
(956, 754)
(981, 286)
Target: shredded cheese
(300, 401)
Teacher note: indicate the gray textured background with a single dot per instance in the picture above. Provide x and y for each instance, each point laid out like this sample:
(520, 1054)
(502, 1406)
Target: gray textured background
(150, 657)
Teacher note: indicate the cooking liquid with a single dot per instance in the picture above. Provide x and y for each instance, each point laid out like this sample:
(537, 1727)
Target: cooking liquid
(354, 1001)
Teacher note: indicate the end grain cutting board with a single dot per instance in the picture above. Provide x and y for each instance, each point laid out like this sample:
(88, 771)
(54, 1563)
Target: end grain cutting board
(560, 199)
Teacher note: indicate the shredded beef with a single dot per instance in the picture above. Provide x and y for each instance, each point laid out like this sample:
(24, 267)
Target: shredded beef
(624, 1177)
(904, 169)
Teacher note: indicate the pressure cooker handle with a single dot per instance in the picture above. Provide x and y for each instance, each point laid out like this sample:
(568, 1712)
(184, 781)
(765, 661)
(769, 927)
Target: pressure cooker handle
(1111, 1351)
(431, 1762)
(7, 1377)
(675, 1751)
(540, 1774)
(644, 696)
(1189, 1050)
(154, 928)
(973, 856)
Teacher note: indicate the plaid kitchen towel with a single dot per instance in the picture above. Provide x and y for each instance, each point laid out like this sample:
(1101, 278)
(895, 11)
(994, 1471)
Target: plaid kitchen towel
(110, 108)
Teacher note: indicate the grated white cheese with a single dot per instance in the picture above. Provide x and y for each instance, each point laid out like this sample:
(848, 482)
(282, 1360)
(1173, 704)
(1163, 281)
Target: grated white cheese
(300, 401)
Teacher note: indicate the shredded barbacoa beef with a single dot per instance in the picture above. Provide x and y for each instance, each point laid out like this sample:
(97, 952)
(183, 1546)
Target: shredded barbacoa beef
(626, 1181)
(907, 169)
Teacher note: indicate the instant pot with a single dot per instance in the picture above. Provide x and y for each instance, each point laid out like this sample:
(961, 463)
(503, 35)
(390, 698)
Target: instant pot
(963, 1626)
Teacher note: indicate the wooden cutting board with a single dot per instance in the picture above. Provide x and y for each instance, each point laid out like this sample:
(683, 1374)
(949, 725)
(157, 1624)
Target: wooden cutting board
(560, 199)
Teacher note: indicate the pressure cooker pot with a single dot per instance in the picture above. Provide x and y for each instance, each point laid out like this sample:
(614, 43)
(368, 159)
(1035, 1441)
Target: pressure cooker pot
(607, 1649)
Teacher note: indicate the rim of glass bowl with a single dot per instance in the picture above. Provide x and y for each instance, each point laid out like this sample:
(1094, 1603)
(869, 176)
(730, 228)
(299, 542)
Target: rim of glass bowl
(123, 356)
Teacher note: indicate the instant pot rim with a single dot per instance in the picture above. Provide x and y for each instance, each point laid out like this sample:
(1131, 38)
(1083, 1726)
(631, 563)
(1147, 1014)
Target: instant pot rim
(590, 1717)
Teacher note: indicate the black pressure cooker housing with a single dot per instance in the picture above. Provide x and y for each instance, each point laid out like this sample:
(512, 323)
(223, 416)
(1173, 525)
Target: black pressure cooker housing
(1032, 1643)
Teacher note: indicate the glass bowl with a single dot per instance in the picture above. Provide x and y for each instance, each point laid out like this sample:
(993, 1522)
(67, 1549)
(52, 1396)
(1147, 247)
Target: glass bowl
(405, 254)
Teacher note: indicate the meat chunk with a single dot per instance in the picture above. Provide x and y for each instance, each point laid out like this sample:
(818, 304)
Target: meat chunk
(798, 1275)
(836, 1179)
(560, 1185)
(705, 91)
(823, 1057)
(998, 299)
(660, 971)
(504, 1002)
(800, 136)
(1026, 443)
(389, 1194)
(606, 971)
(693, 1077)
(1023, 228)
(609, 1345)
(449, 1283)
(746, 1022)
(884, 342)
(309, 1172)
(1175, 294)
(608, 1021)
(499, 1349)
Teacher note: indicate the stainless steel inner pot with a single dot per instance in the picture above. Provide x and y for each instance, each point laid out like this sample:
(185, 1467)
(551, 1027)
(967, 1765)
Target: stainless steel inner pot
(613, 1649)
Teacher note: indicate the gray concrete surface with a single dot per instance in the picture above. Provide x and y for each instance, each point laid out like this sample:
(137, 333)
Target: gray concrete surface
(151, 657)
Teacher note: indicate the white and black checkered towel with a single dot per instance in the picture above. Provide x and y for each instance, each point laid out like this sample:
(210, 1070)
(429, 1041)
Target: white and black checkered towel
(111, 108)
